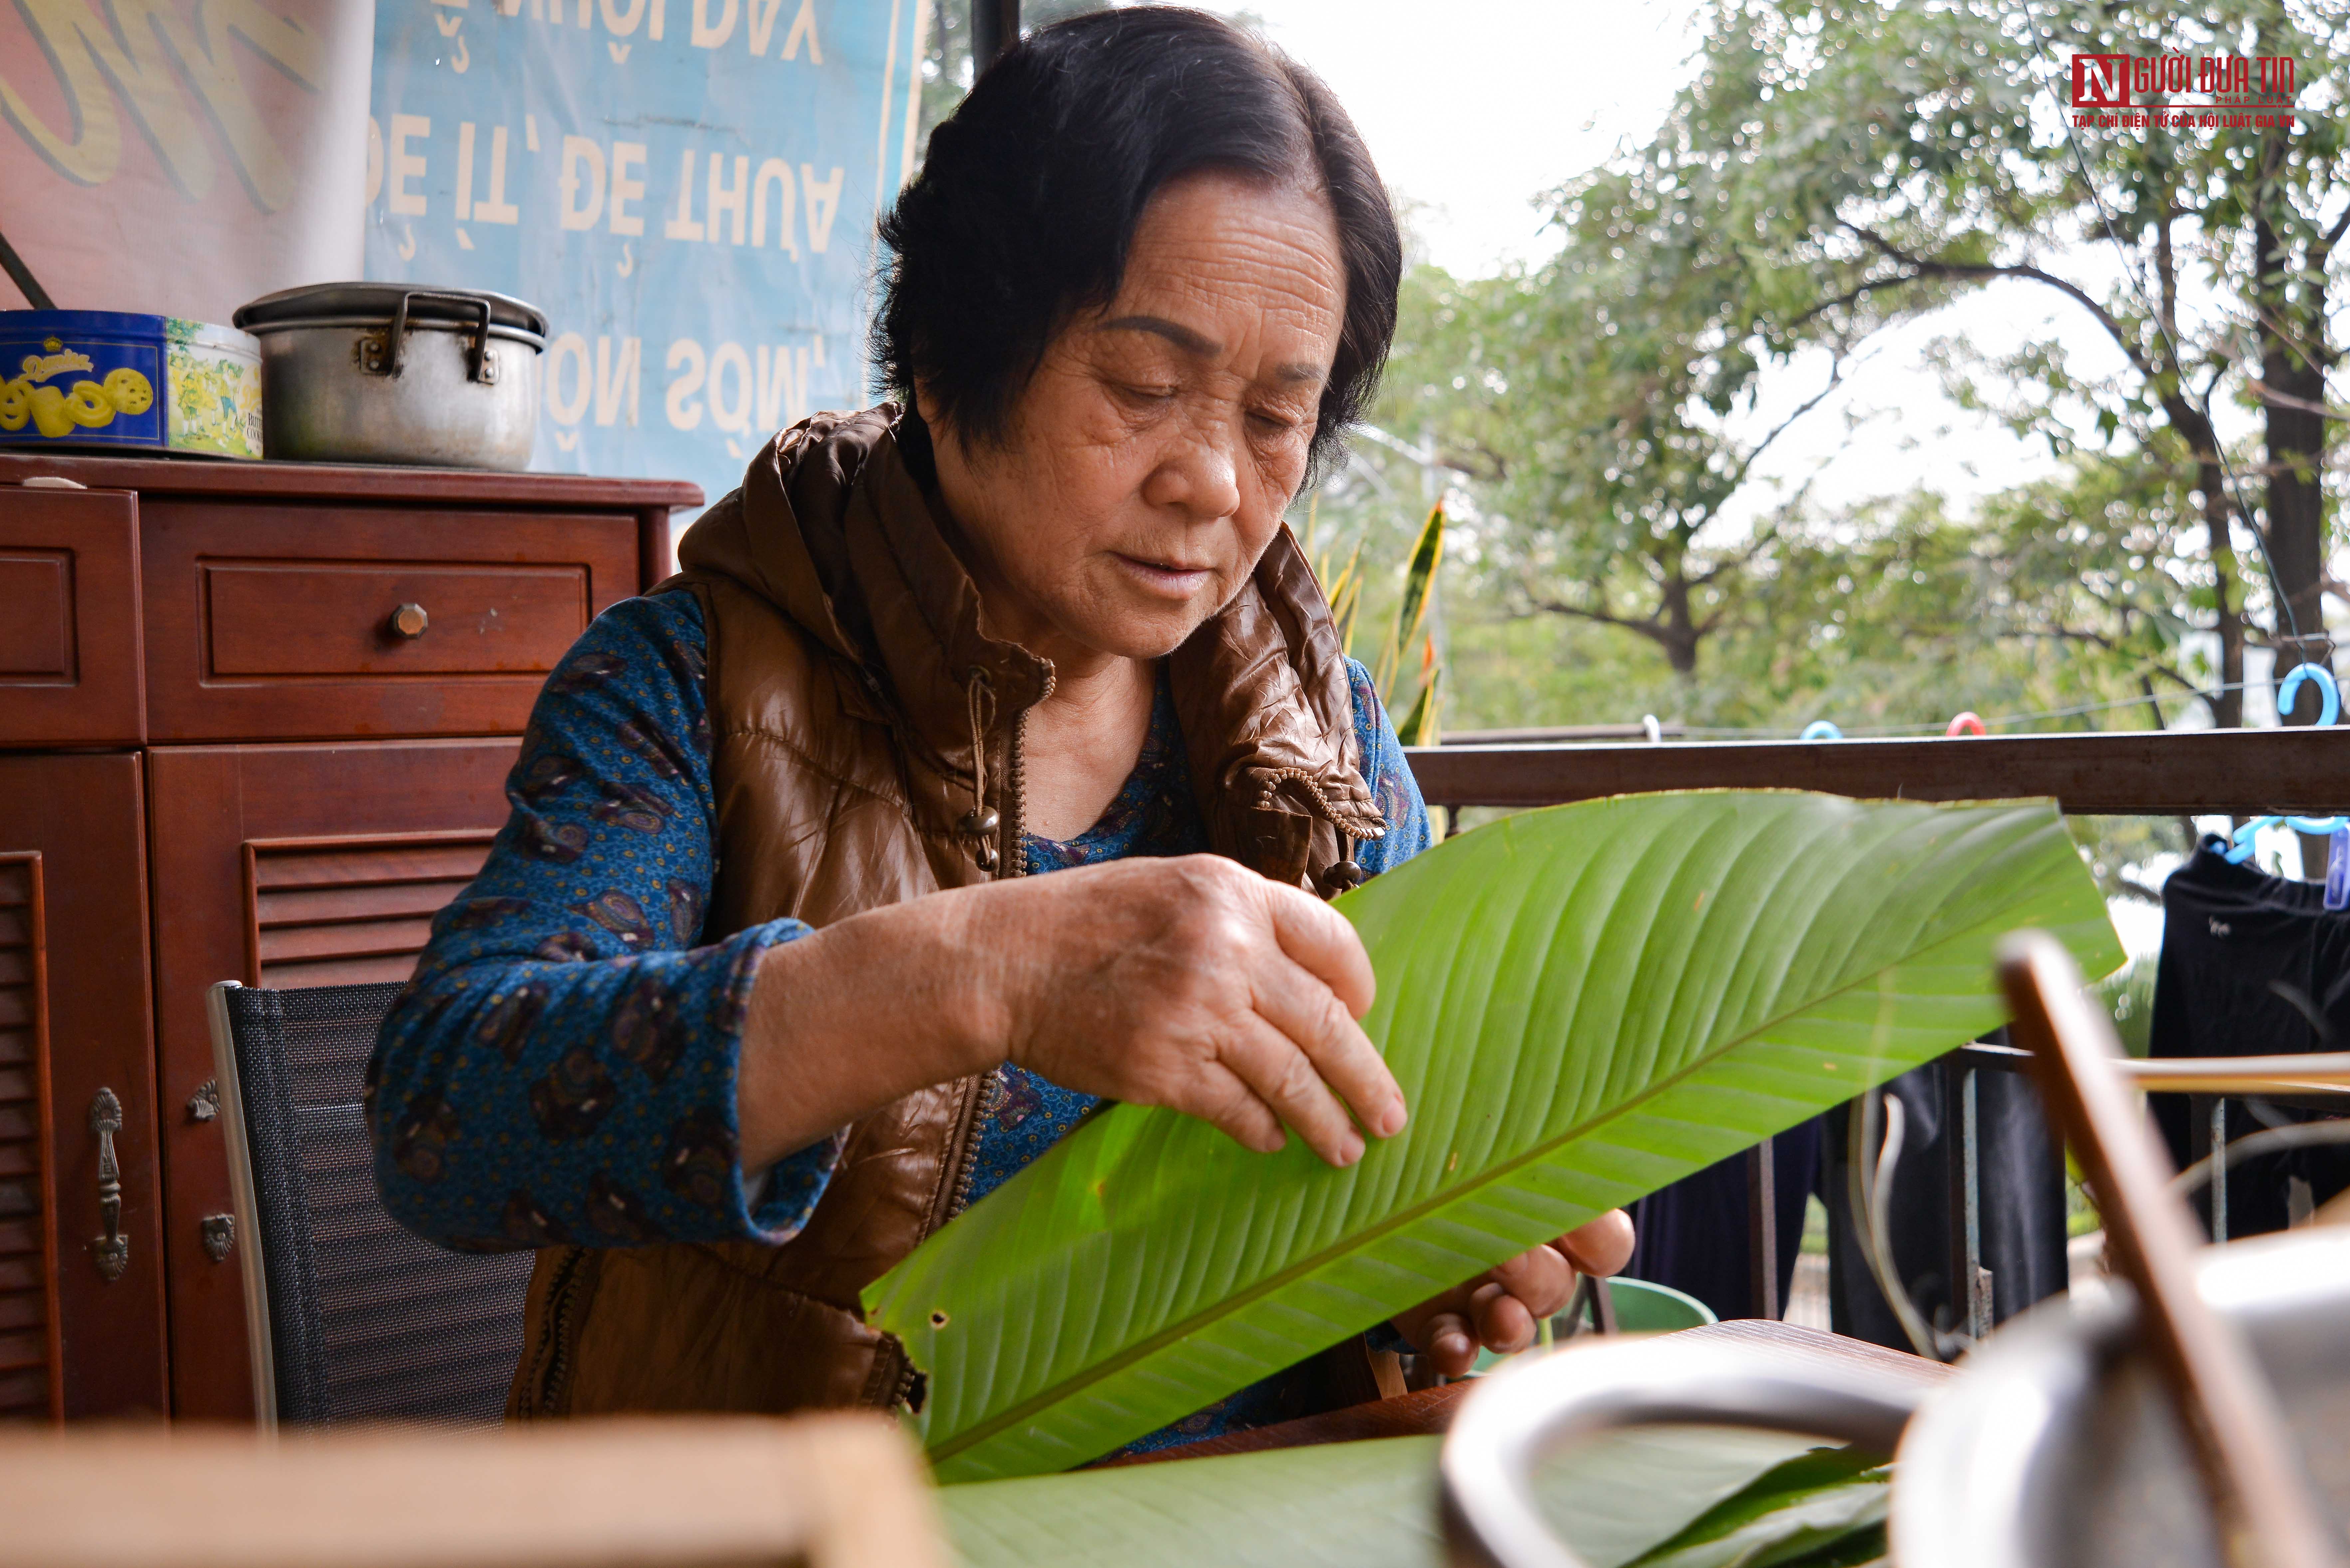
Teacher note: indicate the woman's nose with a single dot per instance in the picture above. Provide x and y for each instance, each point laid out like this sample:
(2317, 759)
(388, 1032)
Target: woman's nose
(1197, 474)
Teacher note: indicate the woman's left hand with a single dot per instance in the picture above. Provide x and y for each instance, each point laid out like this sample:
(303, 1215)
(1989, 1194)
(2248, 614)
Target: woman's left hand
(1499, 1309)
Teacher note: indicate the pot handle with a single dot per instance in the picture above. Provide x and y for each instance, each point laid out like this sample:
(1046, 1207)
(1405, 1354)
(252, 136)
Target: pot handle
(481, 368)
(1504, 1430)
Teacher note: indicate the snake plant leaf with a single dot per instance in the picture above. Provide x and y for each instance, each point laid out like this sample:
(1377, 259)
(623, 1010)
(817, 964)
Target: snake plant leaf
(1581, 1004)
(1813, 1506)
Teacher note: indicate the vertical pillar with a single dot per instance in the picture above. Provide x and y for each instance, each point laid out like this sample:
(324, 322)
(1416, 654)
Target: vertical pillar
(1763, 1230)
(994, 27)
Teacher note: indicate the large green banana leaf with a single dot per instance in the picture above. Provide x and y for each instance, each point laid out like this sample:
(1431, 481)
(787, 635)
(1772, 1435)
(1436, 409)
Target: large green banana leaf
(1581, 1004)
(1351, 1505)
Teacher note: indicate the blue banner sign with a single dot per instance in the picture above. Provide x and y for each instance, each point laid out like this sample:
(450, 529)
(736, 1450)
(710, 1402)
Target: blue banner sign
(687, 188)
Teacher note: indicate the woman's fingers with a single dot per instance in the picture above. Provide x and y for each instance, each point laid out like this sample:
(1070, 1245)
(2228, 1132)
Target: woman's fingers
(1601, 1246)
(1538, 1277)
(1284, 1078)
(1447, 1340)
(1323, 943)
(1224, 1100)
(1313, 1019)
(1505, 1325)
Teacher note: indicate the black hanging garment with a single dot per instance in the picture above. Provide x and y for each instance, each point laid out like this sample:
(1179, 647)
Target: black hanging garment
(1694, 1235)
(2020, 1205)
(2252, 965)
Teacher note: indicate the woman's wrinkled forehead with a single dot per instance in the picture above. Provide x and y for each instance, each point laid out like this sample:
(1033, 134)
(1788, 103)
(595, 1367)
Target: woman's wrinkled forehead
(1224, 271)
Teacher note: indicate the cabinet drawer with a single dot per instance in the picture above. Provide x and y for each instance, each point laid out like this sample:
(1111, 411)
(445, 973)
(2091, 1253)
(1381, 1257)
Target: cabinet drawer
(69, 663)
(304, 622)
(279, 618)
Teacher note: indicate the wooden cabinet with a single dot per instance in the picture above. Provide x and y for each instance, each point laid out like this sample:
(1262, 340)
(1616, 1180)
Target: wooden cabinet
(255, 725)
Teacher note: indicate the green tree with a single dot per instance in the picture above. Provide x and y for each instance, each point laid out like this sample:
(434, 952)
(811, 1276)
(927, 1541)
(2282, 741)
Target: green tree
(1862, 153)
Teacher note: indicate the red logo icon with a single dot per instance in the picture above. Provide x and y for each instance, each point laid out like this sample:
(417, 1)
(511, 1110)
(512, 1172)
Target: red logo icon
(2101, 81)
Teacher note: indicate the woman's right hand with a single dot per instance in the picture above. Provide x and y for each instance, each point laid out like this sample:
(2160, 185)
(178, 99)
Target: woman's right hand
(1196, 984)
(1190, 982)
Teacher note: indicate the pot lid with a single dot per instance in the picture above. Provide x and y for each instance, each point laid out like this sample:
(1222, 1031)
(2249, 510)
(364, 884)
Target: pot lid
(440, 307)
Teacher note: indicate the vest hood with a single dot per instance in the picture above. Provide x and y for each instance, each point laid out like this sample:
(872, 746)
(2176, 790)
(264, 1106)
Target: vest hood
(833, 527)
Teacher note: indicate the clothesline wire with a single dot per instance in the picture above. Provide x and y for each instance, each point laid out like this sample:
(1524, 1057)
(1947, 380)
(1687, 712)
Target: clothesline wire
(2155, 698)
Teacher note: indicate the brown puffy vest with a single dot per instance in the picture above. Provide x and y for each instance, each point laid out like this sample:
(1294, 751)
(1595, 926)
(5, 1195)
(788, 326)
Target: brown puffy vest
(845, 644)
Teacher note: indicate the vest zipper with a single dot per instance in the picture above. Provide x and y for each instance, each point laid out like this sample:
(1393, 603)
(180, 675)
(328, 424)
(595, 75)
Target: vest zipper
(563, 1296)
(1011, 861)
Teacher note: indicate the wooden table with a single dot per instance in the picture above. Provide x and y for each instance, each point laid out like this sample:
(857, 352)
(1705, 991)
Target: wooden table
(1430, 1410)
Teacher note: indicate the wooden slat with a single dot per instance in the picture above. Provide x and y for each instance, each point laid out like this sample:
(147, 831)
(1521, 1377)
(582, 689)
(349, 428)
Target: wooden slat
(25, 1394)
(15, 966)
(326, 905)
(16, 1044)
(14, 930)
(390, 969)
(361, 866)
(352, 912)
(20, 1350)
(18, 1237)
(20, 1121)
(2148, 774)
(16, 886)
(367, 938)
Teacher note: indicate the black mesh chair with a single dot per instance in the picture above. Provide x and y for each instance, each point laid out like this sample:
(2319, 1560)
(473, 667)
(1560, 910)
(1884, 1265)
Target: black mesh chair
(348, 1316)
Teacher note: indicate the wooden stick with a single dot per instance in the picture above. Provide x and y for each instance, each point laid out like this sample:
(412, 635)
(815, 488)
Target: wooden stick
(2328, 1074)
(2266, 1513)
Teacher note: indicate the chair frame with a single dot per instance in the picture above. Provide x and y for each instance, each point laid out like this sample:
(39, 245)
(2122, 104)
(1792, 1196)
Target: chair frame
(252, 1266)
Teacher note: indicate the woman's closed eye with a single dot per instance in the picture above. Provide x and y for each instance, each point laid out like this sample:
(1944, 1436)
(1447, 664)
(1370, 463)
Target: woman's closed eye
(1147, 395)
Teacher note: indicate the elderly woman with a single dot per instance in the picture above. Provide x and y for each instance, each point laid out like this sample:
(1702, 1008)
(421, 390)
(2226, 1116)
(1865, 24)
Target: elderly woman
(763, 981)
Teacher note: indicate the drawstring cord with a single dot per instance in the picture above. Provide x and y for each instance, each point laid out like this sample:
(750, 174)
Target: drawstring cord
(981, 822)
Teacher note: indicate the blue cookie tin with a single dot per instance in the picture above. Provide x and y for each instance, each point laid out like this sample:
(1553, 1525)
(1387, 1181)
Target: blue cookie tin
(110, 379)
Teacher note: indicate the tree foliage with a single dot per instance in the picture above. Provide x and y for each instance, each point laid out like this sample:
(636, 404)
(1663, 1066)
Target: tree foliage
(1832, 168)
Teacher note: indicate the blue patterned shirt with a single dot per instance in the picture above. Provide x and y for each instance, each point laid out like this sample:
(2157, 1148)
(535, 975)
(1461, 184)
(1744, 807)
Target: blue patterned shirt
(562, 1068)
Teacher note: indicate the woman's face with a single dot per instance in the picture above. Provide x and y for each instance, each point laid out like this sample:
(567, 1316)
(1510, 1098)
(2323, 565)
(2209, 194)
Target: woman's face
(1147, 463)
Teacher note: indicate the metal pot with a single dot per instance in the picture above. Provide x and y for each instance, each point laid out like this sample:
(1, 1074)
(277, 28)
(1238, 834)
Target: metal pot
(381, 372)
(2057, 1446)
(2053, 1447)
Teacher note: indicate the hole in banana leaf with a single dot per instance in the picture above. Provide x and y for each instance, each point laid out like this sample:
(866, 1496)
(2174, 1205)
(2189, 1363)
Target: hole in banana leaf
(938, 1320)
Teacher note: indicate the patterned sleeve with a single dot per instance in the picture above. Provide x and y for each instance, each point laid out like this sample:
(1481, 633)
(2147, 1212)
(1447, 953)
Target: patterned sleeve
(1391, 783)
(562, 1068)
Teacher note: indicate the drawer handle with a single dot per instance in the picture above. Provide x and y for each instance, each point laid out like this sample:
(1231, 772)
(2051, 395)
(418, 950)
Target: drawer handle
(112, 1250)
(410, 621)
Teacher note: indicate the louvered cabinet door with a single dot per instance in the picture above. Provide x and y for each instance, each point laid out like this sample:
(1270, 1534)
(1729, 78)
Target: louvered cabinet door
(351, 908)
(81, 1257)
(283, 866)
(32, 1354)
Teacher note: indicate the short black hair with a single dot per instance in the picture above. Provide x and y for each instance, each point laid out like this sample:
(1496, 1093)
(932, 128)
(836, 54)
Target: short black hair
(1030, 194)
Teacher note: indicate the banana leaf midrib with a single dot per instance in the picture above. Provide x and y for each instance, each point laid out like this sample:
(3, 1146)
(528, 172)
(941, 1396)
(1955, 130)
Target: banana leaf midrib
(979, 1432)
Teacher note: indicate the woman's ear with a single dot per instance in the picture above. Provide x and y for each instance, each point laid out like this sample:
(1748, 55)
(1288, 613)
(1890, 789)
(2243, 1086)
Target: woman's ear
(926, 404)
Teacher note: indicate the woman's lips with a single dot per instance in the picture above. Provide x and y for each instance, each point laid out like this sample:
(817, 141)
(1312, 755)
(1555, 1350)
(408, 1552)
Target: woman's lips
(1172, 578)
